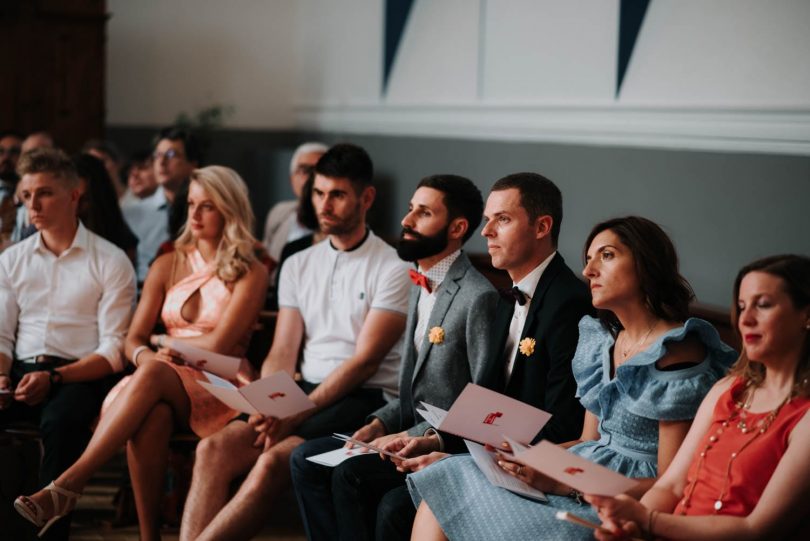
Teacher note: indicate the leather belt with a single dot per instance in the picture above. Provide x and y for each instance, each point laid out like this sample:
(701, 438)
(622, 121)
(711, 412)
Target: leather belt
(47, 359)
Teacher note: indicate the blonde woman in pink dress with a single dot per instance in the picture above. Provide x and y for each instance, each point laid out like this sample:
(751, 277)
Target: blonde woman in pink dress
(208, 292)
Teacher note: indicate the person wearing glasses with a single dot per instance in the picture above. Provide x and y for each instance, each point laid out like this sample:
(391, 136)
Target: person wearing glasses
(176, 154)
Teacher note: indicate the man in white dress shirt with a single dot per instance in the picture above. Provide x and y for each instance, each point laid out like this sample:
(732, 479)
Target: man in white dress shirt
(66, 298)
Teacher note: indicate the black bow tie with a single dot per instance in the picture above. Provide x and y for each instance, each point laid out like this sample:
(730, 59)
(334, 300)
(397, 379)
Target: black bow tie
(513, 294)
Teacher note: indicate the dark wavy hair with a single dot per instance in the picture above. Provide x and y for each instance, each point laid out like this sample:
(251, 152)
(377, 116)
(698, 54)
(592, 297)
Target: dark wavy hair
(98, 207)
(794, 271)
(666, 293)
(306, 210)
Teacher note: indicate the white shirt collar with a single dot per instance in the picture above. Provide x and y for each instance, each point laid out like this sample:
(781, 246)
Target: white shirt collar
(528, 283)
(438, 271)
(80, 240)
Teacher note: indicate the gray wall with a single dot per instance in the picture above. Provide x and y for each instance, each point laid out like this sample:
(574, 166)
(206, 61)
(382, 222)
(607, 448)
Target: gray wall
(722, 210)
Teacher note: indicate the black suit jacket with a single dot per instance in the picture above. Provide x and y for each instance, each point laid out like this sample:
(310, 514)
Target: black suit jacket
(544, 379)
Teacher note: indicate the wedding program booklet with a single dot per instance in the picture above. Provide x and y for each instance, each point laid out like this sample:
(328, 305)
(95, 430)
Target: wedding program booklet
(576, 472)
(223, 366)
(335, 457)
(487, 463)
(484, 416)
(341, 454)
(274, 396)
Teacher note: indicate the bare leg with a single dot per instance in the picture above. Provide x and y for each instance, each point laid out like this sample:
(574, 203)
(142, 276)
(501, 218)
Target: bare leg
(152, 383)
(219, 460)
(425, 525)
(147, 456)
(244, 515)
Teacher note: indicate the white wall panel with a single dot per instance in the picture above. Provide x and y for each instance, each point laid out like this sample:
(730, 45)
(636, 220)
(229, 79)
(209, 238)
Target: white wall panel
(164, 57)
(338, 51)
(437, 60)
(723, 53)
(540, 50)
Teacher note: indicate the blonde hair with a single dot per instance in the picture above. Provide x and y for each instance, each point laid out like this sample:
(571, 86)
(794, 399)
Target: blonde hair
(228, 192)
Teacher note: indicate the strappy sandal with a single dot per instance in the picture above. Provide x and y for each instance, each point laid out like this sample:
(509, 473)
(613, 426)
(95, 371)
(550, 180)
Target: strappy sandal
(63, 500)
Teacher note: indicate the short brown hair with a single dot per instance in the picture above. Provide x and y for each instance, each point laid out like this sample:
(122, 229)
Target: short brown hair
(539, 196)
(48, 160)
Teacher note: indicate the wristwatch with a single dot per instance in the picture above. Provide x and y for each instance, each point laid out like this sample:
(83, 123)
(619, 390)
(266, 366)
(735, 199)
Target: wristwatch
(55, 378)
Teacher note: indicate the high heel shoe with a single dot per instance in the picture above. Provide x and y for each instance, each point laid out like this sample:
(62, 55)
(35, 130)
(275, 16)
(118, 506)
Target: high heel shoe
(63, 500)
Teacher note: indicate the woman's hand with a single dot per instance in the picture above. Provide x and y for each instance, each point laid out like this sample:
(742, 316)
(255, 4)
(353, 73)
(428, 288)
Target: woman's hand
(529, 475)
(622, 515)
(168, 355)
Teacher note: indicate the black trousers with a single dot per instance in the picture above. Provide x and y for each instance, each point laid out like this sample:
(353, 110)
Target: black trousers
(363, 498)
(64, 420)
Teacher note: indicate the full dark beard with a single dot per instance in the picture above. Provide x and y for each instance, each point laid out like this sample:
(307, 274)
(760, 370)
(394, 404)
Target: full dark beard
(422, 246)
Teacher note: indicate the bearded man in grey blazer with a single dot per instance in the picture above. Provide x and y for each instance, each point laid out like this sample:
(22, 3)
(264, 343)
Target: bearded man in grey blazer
(447, 340)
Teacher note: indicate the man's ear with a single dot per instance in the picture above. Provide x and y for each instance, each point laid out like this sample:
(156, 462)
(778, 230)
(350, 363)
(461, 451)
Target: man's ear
(367, 197)
(457, 228)
(543, 226)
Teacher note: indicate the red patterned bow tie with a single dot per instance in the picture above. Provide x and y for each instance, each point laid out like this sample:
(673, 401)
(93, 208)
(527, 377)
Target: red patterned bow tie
(419, 280)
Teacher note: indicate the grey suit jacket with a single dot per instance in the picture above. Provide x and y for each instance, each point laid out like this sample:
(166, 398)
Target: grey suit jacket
(464, 309)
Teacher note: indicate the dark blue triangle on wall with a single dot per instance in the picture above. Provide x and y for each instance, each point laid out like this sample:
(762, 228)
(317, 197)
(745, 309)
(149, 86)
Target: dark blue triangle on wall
(396, 15)
(631, 15)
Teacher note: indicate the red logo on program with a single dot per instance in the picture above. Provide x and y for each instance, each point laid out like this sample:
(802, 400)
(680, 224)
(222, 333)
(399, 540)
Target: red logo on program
(573, 471)
(276, 395)
(491, 417)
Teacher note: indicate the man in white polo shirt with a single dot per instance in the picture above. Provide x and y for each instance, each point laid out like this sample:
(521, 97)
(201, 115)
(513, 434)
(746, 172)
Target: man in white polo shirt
(66, 297)
(342, 304)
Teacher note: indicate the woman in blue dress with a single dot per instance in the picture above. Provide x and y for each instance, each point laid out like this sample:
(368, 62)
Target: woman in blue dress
(642, 369)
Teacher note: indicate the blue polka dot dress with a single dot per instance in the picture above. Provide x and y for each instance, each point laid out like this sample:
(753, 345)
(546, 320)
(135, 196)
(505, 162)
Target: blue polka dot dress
(629, 407)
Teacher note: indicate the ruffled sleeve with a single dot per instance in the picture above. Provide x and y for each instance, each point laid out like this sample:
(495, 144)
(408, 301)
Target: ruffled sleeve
(674, 395)
(590, 361)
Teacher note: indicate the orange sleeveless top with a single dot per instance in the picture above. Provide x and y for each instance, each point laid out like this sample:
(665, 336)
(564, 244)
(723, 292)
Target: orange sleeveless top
(733, 466)
(208, 414)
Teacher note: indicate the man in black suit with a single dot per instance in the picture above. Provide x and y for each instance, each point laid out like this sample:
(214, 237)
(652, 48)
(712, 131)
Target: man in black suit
(535, 328)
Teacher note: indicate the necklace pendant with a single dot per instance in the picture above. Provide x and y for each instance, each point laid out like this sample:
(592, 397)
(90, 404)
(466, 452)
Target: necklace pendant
(718, 505)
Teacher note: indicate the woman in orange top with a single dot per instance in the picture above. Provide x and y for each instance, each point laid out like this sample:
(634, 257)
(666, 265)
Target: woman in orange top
(208, 292)
(743, 471)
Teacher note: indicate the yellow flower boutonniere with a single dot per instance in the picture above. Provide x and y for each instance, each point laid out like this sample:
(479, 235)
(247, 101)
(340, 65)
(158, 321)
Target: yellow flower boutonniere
(436, 335)
(526, 346)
